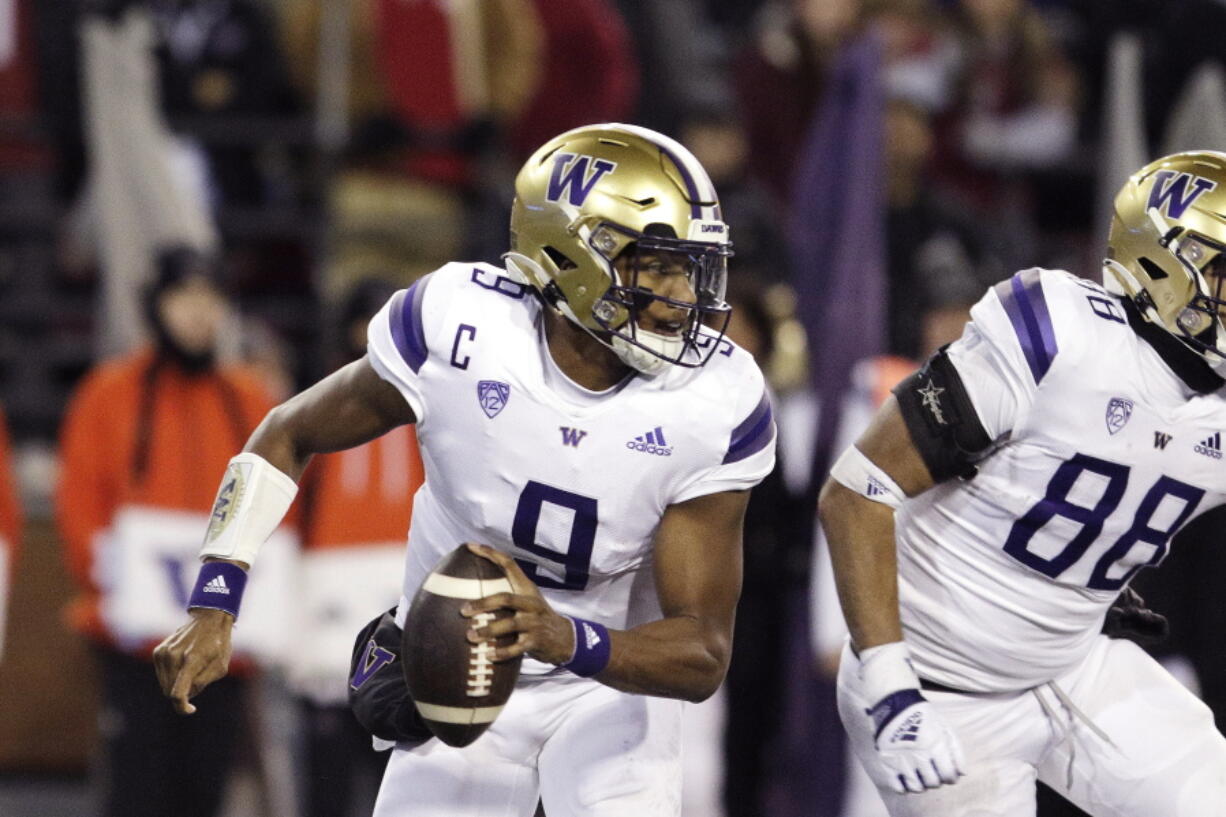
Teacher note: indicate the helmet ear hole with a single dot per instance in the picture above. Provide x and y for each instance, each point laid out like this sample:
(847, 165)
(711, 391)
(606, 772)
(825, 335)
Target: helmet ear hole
(1155, 272)
(559, 260)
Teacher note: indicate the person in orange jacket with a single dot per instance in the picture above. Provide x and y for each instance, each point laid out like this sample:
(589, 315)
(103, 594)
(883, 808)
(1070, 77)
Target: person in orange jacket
(355, 506)
(10, 528)
(143, 442)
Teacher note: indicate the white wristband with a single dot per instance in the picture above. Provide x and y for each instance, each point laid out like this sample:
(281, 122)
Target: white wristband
(251, 503)
(858, 473)
(885, 669)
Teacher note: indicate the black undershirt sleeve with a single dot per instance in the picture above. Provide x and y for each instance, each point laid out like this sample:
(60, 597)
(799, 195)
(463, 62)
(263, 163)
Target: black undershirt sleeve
(941, 419)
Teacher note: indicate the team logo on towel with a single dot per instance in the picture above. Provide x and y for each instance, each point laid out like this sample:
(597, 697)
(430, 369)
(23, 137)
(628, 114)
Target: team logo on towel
(493, 396)
(1118, 412)
(372, 659)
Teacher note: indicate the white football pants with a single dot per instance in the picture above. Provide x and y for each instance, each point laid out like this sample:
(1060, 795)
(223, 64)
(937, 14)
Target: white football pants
(585, 749)
(1153, 750)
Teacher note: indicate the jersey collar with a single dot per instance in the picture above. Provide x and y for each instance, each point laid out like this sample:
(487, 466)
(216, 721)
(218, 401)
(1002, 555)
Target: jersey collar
(1190, 367)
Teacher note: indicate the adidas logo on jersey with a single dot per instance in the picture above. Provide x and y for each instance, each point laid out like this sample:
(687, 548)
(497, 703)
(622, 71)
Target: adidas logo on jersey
(1211, 447)
(651, 443)
(875, 488)
(218, 584)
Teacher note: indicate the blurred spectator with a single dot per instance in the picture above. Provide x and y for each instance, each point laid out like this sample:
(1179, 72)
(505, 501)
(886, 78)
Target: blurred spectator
(142, 443)
(589, 73)
(718, 138)
(10, 529)
(19, 99)
(222, 58)
(837, 243)
(778, 528)
(734, 16)
(934, 267)
(356, 506)
(1016, 105)
(779, 78)
(460, 91)
(269, 357)
(147, 188)
(784, 72)
(681, 58)
(427, 87)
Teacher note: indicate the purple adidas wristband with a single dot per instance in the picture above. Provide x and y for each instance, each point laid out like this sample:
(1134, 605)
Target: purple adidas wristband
(592, 648)
(219, 586)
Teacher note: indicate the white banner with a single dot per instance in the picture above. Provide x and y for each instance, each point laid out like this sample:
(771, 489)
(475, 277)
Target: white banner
(145, 565)
(340, 590)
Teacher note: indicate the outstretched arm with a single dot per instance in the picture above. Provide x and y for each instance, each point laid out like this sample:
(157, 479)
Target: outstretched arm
(685, 654)
(345, 409)
(915, 750)
(860, 532)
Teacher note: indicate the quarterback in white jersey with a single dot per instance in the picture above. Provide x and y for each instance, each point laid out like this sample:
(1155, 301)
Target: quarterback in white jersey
(583, 418)
(1000, 503)
(526, 481)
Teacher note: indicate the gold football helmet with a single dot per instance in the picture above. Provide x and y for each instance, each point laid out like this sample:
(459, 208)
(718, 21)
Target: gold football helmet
(1167, 248)
(596, 192)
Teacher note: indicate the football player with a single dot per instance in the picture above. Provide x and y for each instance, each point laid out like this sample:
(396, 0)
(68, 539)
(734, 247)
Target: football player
(581, 414)
(1001, 501)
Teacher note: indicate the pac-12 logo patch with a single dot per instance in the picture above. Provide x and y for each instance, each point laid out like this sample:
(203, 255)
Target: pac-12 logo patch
(1119, 411)
(493, 396)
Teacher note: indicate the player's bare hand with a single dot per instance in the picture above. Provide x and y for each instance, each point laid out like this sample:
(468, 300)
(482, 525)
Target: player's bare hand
(540, 632)
(194, 656)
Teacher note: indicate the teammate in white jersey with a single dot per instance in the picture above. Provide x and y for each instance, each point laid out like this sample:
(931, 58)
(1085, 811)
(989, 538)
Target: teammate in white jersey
(1002, 500)
(581, 414)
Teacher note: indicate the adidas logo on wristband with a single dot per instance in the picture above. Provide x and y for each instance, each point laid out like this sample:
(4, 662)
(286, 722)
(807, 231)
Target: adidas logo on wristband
(217, 585)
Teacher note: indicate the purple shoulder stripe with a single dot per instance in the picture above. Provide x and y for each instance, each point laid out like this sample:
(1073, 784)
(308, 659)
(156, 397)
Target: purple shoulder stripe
(1024, 303)
(753, 434)
(408, 332)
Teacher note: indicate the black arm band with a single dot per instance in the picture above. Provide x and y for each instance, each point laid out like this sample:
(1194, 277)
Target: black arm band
(941, 419)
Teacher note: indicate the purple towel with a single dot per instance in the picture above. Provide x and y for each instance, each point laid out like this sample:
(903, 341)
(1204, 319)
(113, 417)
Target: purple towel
(838, 232)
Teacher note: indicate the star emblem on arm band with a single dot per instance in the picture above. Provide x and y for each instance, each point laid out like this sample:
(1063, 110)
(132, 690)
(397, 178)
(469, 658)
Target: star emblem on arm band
(930, 395)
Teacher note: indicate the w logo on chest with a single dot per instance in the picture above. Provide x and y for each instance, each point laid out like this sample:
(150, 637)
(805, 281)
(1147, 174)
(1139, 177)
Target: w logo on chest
(572, 436)
(575, 175)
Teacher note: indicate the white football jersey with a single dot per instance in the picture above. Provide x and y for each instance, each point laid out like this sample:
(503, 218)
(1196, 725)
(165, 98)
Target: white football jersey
(571, 483)
(1104, 453)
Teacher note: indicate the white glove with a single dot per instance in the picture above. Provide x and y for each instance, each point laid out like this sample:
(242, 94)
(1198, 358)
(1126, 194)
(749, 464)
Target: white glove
(915, 749)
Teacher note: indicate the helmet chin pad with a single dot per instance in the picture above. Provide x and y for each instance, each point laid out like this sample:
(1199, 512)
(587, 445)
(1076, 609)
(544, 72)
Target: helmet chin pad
(653, 352)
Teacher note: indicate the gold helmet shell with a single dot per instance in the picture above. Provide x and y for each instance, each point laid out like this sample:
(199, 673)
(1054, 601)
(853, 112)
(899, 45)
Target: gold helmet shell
(1166, 248)
(591, 193)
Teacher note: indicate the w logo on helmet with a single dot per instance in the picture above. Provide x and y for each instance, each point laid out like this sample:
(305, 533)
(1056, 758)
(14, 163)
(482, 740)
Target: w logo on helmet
(1170, 192)
(575, 175)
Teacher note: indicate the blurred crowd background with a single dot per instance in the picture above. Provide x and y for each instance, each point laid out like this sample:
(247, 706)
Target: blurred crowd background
(202, 201)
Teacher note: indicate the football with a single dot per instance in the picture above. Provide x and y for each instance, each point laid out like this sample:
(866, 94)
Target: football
(456, 687)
